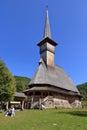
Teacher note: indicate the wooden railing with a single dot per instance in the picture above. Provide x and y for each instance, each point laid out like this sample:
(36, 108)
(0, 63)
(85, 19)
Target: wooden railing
(35, 104)
(47, 98)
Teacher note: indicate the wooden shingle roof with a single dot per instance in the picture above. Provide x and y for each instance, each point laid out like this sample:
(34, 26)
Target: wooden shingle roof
(19, 94)
(54, 76)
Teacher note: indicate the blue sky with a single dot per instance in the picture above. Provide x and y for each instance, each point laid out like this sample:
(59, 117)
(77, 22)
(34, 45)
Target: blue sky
(22, 26)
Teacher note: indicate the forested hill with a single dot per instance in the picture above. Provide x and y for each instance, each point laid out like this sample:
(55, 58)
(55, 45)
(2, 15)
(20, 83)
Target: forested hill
(83, 90)
(21, 83)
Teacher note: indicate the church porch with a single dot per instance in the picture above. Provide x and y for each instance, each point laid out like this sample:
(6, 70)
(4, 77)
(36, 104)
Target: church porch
(51, 99)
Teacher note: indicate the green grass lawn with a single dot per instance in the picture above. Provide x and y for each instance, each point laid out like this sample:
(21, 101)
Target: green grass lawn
(51, 119)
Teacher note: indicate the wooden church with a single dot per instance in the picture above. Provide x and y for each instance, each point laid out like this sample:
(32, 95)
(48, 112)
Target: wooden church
(50, 85)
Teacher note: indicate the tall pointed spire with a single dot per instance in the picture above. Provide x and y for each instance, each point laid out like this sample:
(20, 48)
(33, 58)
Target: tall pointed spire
(47, 32)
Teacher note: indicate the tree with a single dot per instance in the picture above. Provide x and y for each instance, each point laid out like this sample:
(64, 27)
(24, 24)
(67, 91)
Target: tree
(83, 90)
(21, 83)
(7, 83)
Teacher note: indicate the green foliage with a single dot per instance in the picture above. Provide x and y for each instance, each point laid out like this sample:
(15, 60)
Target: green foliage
(21, 83)
(83, 90)
(51, 119)
(84, 104)
(7, 83)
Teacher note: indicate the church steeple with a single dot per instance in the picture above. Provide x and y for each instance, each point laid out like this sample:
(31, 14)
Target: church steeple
(47, 32)
(47, 45)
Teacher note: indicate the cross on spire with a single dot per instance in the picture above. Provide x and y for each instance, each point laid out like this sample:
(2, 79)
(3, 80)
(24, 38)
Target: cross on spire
(47, 32)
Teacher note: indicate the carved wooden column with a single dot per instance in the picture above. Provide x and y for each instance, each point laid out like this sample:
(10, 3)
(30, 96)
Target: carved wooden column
(7, 105)
(23, 104)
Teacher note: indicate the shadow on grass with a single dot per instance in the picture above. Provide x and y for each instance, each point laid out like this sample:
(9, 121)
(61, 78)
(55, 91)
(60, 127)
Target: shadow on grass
(75, 113)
